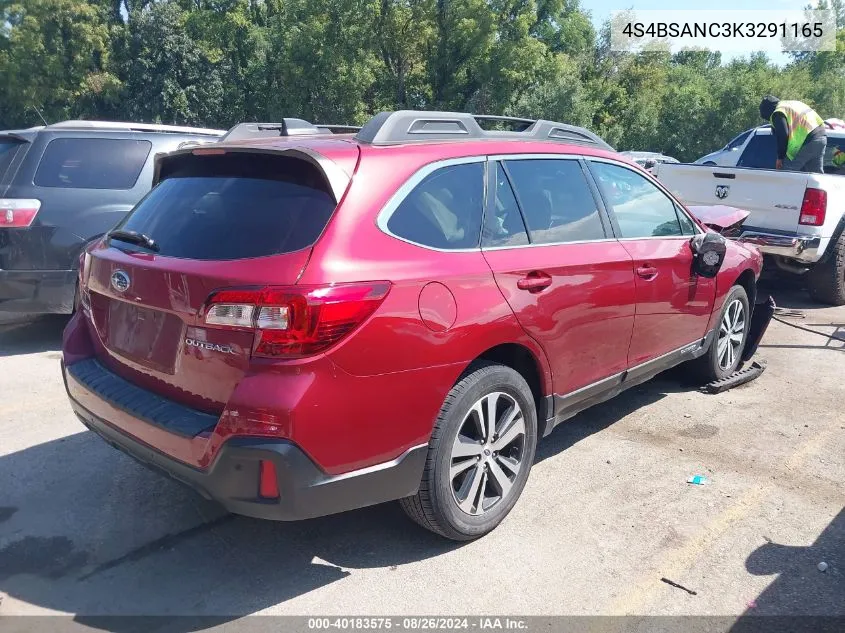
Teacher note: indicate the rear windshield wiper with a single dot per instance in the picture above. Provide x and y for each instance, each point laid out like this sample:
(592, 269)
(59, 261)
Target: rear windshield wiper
(133, 237)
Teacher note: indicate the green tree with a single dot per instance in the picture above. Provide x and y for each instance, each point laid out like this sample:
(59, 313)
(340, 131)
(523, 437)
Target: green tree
(55, 56)
(170, 76)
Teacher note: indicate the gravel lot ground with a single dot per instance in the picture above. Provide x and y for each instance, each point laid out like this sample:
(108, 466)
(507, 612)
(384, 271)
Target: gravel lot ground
(606, 514)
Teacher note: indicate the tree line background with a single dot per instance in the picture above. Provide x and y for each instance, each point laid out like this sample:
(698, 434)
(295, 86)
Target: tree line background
(217, 62)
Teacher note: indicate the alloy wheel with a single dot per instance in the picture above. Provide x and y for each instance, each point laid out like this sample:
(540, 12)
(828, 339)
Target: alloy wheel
(731, 334)
(487, 454)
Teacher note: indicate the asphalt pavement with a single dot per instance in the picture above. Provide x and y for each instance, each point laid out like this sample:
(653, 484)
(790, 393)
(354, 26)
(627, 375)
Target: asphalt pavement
(607, 512)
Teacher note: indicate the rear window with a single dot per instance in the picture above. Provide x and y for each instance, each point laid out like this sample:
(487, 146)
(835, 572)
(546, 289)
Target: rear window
(739, 140)
(8, 147)
(834, 155)
(92, 163)
(234, 207)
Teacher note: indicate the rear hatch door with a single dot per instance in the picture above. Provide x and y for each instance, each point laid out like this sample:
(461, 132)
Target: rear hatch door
(240, 219)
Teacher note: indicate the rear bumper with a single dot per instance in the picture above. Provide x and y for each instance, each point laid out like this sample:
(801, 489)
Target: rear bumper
(802, 248)
(43, 291)
(232, 479)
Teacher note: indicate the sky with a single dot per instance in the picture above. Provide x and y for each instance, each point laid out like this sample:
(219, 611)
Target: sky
(601, 10)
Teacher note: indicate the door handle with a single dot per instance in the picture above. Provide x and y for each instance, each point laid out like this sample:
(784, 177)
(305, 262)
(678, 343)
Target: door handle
(647, 272)
(534, 282)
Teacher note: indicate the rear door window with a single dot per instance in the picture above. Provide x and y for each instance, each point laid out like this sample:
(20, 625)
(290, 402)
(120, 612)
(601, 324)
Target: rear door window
(444, 210)
(236, 206)
(760, 153)
(92, 163)
(556, 200)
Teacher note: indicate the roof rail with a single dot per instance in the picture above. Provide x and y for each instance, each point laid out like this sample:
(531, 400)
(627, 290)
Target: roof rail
(286, 127)
(408, 126)
(338, 129)
(134, 127)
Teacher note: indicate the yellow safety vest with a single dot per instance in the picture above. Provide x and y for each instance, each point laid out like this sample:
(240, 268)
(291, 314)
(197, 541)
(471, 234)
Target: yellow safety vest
(802, 120)
(838, 157)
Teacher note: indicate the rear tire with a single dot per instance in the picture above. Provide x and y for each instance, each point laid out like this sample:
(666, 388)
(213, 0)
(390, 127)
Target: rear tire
(827, 278)
(477, 464)
(724, 355)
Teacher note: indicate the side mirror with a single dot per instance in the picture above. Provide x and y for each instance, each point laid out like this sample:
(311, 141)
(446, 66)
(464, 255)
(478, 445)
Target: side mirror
(708, 251)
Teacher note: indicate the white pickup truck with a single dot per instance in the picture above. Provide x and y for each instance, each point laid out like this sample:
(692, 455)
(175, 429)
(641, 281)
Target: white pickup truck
(797, 218)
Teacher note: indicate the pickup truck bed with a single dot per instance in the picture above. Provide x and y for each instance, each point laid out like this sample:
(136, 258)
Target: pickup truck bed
(796, 218)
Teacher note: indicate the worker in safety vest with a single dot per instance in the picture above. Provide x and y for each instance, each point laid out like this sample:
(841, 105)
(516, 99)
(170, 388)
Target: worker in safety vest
(799, 132)
(838, 158)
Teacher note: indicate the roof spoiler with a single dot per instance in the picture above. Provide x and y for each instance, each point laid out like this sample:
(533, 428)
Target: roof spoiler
(409, 126)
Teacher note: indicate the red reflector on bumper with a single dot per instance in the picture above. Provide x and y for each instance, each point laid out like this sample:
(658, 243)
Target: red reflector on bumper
(268, 483)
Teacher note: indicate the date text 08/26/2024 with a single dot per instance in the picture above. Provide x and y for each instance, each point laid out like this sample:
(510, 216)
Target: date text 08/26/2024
(421, 623)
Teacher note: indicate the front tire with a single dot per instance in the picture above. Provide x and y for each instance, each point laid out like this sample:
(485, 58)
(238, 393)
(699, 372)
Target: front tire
(827, 278)
(480, 453)
(724, 355)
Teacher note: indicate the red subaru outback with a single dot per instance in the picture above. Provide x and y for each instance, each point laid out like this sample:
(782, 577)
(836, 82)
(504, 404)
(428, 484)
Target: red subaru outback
(305, 324)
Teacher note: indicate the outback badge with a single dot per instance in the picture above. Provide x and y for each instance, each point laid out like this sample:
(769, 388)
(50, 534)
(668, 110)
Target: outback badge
(212, 347)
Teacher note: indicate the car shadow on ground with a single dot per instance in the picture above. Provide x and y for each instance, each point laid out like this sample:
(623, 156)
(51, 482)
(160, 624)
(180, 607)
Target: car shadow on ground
(601, 416)
(89, 531)
(800, 589)
(31, 334)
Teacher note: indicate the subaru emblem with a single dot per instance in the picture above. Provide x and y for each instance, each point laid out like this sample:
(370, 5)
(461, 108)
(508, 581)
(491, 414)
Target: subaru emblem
(120, 281)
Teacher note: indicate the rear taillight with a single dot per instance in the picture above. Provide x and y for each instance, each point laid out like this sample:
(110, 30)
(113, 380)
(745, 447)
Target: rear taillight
(18, 213)
(814, 207)
(295, 321)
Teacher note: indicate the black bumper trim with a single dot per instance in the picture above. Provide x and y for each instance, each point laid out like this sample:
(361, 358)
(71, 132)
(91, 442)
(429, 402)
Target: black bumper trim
(140, 403)
(305, 490)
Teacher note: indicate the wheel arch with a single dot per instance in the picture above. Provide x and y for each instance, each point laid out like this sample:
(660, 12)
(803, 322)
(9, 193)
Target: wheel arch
(748, 281)
(526, 363)
(831, 245)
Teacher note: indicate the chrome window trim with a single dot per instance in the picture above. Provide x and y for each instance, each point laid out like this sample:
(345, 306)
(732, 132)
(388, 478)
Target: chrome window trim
(418, 176)
(505, 157)
(685, 238)
(659, 185)
(410, 184)
(504, 248)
